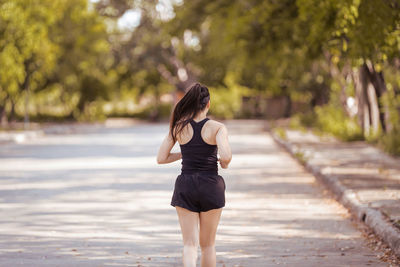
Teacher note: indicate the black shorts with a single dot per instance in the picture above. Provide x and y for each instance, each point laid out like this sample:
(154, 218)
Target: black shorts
(199, 192)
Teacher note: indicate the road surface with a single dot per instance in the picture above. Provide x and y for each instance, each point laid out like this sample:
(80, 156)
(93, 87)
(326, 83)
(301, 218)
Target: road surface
(97, 198)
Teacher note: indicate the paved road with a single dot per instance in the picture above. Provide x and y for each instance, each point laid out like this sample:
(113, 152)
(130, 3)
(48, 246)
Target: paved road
(98, 198)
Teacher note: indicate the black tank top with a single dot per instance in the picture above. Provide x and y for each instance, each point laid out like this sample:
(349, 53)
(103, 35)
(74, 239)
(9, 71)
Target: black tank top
(197, 155)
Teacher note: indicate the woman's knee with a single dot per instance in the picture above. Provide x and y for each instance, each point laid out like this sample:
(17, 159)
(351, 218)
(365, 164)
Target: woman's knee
(192, 241)
(190, 251)
(207, 246)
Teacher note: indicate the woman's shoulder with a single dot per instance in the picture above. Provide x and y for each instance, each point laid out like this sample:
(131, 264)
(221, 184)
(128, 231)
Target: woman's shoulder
(216, 125)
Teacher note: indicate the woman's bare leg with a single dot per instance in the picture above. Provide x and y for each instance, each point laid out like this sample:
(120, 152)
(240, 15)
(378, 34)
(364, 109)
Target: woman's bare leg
(189, 222)
(208, 229)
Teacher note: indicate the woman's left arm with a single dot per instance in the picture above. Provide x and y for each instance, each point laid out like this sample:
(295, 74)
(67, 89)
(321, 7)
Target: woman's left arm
(164, 153)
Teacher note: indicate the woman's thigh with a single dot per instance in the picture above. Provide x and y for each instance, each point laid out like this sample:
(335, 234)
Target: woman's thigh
(209, 221)
(189, 222)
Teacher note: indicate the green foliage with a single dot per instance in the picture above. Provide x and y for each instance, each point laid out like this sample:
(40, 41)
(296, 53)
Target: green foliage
(91, 112)
(52, 44)
(390, 142)
(303, 120)
(226, 101)
(27, 53)
(329, 119)
(71, 57)
(280, 132)
(332, 119)
(163, 111)
(299, 155)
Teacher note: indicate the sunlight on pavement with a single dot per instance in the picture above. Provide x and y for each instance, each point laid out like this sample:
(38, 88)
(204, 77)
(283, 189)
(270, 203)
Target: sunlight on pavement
(101, 199)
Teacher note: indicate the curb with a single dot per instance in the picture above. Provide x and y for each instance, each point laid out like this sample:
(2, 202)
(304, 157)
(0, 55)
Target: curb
(373, 218)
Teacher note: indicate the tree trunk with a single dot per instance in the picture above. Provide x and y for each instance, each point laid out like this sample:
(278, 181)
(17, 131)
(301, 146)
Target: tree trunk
(380, 89)
(374, 109)
(3, 113)
(12, 111)
(155, 114)
(340, 76)
(288, 106)
(25, 87)
(26, 115)
(360, 83)
(369, 110)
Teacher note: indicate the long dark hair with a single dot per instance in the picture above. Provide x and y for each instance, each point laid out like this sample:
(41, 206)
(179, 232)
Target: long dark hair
(194, 101)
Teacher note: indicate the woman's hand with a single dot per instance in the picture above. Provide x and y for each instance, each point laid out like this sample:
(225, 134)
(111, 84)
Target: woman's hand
(223, 165)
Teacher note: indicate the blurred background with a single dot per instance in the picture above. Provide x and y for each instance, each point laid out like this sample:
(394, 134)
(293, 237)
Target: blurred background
(329, 65)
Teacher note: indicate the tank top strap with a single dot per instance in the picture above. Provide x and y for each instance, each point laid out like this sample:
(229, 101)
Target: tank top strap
(197, 126)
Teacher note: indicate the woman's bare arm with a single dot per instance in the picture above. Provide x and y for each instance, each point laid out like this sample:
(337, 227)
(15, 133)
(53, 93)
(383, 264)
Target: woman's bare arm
(164, 156)
(224, 149)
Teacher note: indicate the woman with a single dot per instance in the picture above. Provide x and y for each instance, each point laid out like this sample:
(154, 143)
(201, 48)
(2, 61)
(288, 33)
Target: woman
(199, 192)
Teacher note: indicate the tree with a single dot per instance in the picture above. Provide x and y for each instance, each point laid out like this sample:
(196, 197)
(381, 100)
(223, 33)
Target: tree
(27, 52)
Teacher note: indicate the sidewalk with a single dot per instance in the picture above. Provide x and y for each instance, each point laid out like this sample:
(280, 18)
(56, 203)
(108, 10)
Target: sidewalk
(362, 177)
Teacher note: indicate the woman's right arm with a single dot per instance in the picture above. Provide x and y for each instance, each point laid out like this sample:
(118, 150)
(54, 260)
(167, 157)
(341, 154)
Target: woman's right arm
(224, 149)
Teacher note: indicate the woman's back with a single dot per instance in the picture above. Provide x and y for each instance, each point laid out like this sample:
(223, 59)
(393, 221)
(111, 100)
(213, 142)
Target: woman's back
(197, 153)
